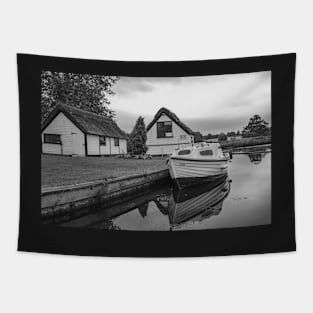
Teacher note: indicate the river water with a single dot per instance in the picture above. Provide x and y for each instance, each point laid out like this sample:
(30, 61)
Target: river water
(241, 199)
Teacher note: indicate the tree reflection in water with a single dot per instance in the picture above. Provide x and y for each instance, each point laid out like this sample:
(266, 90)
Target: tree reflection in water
(256, 154)
(256, 157)
(143, 209)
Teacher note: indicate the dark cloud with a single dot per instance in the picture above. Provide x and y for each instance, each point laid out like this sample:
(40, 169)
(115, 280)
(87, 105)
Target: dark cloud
(128, 85)
(209, 104)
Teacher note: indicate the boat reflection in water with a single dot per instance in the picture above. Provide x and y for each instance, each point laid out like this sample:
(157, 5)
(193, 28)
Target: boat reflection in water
(197, 202)
(165, 208)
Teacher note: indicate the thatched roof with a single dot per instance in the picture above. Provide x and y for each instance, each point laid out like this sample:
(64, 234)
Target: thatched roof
(173, 117)
(87, 122)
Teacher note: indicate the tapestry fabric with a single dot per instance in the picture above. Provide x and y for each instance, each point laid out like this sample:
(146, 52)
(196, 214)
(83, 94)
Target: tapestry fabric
(156, 159)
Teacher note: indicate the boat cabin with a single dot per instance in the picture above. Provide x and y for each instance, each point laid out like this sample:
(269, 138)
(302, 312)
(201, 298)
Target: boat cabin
(201, 150)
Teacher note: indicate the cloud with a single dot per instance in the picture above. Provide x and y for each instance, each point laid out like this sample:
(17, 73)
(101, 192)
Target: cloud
(131, 85)
(206, 103)
(127, 86)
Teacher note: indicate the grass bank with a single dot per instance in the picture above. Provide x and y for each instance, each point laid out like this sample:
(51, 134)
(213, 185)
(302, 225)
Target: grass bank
(61, 170)
(246, 142)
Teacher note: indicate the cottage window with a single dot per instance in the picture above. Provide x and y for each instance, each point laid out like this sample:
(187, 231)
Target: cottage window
(102, 141)
(164, 129)
(52, 138)
(116, 142)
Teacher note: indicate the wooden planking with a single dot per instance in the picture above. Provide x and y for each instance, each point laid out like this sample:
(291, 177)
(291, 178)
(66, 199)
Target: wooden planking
(123, 146)
(159, 146)
(61, 125)
(121, 149)
(94, 147)
(189, 173)
(197, 169)
(92, 144)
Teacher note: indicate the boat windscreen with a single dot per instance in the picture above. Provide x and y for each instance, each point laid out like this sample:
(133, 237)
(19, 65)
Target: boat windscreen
(206, 152)
(183, 152)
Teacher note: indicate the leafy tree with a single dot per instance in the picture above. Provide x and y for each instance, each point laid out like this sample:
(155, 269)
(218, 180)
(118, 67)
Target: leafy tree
(198, 137)
(128, 142)
(256, 127)
(211, 136)
(83, 91)
(222, 137)
(138, 138)
(231, 134)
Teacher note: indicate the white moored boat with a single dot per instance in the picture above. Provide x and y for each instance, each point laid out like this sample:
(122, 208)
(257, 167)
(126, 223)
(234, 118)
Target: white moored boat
(202, 160)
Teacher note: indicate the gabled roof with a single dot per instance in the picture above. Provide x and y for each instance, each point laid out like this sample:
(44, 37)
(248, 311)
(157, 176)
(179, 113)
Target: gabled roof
(173, 117)
(87, 122)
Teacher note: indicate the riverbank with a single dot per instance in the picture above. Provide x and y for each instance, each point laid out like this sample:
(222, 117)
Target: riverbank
(62, 170)
(61, 203)
(246, 142)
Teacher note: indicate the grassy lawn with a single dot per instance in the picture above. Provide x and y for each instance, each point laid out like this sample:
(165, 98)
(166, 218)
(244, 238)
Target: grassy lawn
(61, 170)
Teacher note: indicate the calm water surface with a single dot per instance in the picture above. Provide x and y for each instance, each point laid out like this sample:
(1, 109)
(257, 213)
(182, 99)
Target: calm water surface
(241, 199)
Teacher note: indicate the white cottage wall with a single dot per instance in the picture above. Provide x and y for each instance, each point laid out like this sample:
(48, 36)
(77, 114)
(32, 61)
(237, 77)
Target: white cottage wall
(114, 149)
(106, 149)
(93, 145)
(123, 146)
(157, 146)
(61, 125)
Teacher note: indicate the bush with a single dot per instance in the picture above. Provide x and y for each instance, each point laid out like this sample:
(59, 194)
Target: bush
(222, 137)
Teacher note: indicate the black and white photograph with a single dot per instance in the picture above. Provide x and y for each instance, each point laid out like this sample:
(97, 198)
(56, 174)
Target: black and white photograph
(156, 153)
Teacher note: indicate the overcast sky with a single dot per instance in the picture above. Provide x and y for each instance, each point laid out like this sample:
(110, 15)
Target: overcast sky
(209, 104)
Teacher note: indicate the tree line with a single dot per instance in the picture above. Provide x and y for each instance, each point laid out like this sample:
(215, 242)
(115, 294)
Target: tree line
(256, 127)
(83, 91)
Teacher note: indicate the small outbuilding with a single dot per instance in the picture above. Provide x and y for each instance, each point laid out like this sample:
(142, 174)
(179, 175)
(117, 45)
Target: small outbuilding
(167, 132)
(71, 131)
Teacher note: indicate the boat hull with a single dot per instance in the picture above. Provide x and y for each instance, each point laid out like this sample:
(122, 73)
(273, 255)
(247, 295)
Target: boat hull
(197, 181)
(182, 169)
